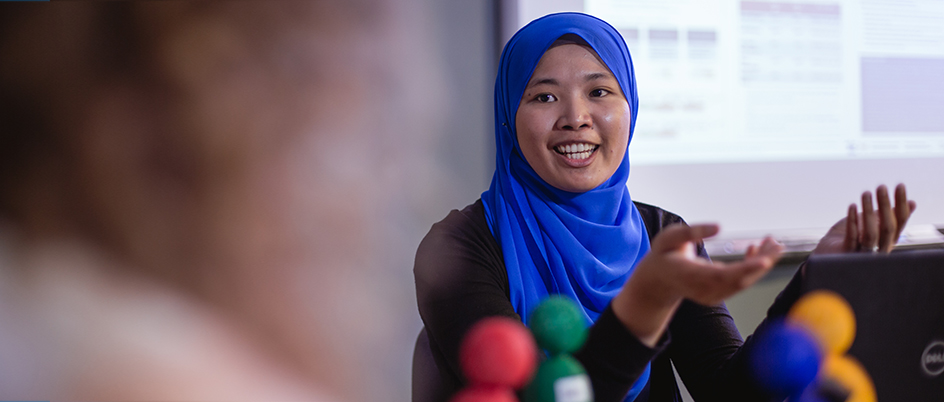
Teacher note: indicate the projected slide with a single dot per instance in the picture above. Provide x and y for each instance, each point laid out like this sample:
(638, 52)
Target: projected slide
(753, 81)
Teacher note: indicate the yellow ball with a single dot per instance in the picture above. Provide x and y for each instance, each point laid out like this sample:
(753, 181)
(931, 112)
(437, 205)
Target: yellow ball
(849, 373)
(828, 317)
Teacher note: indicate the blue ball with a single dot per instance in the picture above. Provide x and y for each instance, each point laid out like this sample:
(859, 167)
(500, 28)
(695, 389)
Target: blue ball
(784, 359)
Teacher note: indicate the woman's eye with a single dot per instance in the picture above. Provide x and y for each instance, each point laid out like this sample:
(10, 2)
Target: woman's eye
(544, 98)
(596, 93)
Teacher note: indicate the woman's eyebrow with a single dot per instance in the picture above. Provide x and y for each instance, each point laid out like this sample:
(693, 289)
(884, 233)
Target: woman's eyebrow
(597, 76)
(543, 81)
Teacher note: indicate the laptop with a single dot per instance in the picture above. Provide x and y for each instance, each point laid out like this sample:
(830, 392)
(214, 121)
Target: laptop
(898, 301)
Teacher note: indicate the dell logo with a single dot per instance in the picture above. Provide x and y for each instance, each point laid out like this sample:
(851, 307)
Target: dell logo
(932, 360)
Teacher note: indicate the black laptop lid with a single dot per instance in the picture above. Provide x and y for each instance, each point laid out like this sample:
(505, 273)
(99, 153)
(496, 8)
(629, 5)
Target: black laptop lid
(898, 300)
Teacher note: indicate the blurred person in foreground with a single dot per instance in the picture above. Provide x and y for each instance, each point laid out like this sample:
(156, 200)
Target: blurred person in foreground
(188, 194)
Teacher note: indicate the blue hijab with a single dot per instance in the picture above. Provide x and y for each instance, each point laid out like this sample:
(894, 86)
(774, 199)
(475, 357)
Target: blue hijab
(580, 245)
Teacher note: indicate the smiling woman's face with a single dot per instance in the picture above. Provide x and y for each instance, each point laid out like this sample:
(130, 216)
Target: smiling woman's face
(573, 120)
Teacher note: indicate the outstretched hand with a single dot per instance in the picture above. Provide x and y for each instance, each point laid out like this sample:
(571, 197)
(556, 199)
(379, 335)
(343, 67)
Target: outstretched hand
(673, 265)
(672, 271)
(871, 230)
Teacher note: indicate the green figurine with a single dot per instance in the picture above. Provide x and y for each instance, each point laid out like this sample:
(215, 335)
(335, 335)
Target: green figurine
(559, 328)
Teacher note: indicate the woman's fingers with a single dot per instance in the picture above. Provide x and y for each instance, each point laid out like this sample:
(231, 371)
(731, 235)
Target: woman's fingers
(766, 256)
(903, 208)
(751, 251)
(710, 285)
(676, 236)
(870, 230)
(880, 230)
(888, 223)
(869, 227)
(770, 248)
(681, 274)
(712, 282)
(851, 239)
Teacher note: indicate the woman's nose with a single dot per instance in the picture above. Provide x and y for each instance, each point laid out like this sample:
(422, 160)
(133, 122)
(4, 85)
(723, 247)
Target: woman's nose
(575, 115)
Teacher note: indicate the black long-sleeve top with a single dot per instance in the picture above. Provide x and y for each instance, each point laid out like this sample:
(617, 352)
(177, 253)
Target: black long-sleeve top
(461, 278)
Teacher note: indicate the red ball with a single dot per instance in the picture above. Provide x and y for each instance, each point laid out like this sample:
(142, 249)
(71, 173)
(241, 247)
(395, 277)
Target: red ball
(498, 351)
(485, 393)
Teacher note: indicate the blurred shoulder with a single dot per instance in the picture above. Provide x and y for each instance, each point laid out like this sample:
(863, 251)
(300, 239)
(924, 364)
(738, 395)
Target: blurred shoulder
(79, 327)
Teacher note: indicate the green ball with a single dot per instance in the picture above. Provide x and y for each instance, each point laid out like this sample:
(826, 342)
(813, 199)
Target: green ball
(560, 378)
(558, 325)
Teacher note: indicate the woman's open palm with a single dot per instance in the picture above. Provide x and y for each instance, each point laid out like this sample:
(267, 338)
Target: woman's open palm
(673, 266)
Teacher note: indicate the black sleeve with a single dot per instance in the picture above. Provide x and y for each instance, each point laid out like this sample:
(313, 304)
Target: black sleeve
(708, 352)
(460, 279)
(615, 358)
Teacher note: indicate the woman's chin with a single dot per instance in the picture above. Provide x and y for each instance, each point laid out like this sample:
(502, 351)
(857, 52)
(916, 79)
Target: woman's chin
(576, 184)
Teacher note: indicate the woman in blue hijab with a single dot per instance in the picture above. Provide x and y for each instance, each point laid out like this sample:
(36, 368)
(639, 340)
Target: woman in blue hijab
(558, 219)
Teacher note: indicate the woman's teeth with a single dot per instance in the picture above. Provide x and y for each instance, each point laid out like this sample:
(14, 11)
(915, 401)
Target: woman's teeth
(576, 151)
